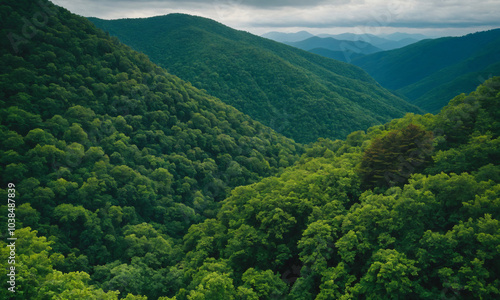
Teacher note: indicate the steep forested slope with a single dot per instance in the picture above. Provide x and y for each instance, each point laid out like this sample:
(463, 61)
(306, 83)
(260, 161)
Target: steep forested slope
(430, 72)
(119, 176)
(106, 149)
(346, 56)
(429, 229)
(301, 95)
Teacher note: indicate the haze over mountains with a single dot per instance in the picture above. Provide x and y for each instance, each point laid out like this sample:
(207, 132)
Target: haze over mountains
(384, 42)
(336, 49)
(429, 72)
(346, 46)
(426, 72)
(299, 94)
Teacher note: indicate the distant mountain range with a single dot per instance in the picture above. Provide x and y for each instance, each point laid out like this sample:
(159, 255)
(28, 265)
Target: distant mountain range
(283, 37)
(383, 42)
(301, 95)
(339, 49)
(346, 46)
(430, 72)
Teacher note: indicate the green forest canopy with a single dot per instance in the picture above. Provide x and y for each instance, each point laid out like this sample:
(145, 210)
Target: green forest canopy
(90, 128)
(135, 199)
(429, 73)
(301, 95)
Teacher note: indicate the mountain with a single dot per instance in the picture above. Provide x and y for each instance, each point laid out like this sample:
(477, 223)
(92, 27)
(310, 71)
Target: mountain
(124, 182)
(398, 36)
(383, 43)
(431, 71)
(301, 95)
(283, 37)
(347, 48)
(338, 55)
(107, 155)
(317, 231)
(369, 38)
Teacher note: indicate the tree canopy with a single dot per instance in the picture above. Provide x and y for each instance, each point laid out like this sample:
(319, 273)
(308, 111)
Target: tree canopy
(132, 184)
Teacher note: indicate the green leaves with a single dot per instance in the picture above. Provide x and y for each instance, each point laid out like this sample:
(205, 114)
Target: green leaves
(390, 276)
(391, 160)
(317, 245)
(298, 94)
(156, 189)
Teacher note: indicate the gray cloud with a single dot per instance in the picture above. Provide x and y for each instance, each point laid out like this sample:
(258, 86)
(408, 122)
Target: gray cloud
(190, 3)
(277, 3)
(255, 15)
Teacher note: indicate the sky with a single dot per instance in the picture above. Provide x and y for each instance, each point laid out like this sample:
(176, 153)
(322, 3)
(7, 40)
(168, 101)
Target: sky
(429, 17)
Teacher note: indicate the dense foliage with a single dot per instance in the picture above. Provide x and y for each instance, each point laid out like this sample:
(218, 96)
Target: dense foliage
(429, 73)
(123, 172)
(329, 236)
(112, 156)
(299, 94)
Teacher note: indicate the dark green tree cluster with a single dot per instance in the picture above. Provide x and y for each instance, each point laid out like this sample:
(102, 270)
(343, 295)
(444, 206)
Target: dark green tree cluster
(392, 158)
(299, 94)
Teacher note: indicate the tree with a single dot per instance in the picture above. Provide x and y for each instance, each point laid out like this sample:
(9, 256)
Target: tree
(317, 245)
(36, 278)
(391, 159)
(265, 284)
(390, 276)
(214, 286)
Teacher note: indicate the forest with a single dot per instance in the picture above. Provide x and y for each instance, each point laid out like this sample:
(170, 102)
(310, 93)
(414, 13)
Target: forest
(431, 72)
(130, 183)
(300, 95)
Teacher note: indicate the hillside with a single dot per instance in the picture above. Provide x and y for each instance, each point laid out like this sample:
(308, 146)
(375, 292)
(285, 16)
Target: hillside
(324, 229)
(299, 94)
(430, 72)
(338, 55)
(103, 149)
(123, 181)
(349, 49)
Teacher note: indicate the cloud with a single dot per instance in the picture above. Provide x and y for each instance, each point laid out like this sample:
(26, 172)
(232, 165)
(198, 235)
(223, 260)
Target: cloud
(253, 15)
(412, 14)
(145, 4)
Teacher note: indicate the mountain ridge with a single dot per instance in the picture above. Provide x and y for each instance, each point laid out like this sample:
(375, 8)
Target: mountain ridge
(125, 182)
(418, 69)
(348, 48)
(302, 95)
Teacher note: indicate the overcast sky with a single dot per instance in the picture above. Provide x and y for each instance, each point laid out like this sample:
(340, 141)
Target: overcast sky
(430, 17)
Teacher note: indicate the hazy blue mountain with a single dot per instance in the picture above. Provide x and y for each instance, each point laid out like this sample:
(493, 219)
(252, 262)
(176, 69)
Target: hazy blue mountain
(346, 48)
(301, 95)
(335, 45)
(377, 41)
(398, 36)
(287, 37)
(369, 38)
(430, 72)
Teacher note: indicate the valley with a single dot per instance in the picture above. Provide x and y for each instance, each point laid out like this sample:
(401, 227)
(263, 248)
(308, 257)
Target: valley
(176, 158)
